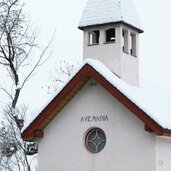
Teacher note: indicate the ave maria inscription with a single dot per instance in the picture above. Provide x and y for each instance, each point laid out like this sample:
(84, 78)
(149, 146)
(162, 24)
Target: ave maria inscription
(99, 118)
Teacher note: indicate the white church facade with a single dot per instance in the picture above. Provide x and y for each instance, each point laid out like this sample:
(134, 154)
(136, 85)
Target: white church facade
(96, 121)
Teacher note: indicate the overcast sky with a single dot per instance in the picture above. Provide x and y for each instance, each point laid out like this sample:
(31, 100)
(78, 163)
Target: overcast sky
(63, 16)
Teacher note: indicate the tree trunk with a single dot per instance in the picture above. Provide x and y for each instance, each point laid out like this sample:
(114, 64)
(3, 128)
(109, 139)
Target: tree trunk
(14, 101)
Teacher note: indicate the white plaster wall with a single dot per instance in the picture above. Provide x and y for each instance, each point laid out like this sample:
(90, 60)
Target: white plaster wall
(128, 147)
(129, 63)
(122, 64)
(163, 153)
(130, 69)
(107, 53)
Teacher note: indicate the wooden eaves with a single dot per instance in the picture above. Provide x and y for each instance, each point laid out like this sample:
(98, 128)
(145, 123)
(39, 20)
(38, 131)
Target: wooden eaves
(35, 129)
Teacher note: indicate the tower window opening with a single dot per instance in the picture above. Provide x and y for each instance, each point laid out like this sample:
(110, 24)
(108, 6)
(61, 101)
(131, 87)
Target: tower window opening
(94, 37)
(133, 45)
(110, 35)
(125, 41)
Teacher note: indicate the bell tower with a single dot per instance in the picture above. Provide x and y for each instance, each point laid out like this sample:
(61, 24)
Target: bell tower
(111, 35)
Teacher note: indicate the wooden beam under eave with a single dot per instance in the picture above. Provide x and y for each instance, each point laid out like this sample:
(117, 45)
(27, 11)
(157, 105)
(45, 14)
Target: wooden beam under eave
(38, 133)
(147, 128)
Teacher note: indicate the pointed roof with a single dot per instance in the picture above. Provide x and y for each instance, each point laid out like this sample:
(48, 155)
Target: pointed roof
(126, 94)
(98, 12)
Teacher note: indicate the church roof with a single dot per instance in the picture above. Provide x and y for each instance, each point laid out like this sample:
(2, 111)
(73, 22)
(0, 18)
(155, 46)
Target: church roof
(155, 119)
(98, 12)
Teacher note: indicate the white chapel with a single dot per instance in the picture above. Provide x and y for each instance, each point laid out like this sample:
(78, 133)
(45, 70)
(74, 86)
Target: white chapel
(100, 120)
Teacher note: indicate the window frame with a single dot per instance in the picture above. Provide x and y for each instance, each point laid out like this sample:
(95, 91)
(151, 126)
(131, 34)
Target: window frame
(133, 46)
(125, 39)
(87, 140)
(93, 37)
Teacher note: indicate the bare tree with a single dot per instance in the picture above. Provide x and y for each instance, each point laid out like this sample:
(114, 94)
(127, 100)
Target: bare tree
(14, 152)
(20, 56)
(17, 42)
(58, 76)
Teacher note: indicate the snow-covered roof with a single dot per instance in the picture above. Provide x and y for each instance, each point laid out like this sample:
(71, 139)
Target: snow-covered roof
(98, 12)
(153, 103)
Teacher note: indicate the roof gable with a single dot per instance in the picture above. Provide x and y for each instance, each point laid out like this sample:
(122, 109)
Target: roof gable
(35, 129)
(98, 12)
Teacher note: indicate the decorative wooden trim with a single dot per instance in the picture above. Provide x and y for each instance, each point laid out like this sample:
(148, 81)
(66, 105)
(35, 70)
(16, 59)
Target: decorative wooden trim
(166, 133)
(88, 71)
(42, 117)
(126, 102)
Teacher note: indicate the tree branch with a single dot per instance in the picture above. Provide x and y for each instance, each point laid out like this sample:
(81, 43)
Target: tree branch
(7, 92)
(37, 63)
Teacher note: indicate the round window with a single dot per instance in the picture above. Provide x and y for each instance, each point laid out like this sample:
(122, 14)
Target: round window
(95, 140)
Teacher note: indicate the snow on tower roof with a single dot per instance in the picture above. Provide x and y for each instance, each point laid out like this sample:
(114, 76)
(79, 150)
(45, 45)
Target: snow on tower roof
(98, 12)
